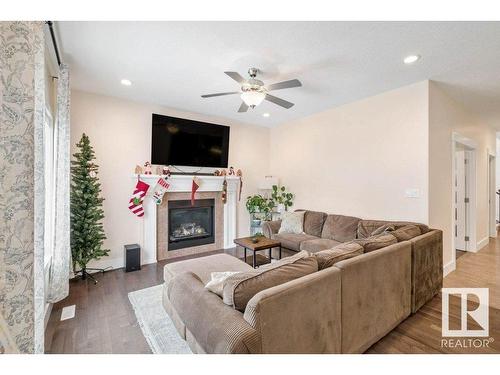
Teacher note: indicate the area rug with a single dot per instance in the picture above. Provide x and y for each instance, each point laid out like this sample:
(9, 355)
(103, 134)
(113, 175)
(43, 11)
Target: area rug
(156, 325)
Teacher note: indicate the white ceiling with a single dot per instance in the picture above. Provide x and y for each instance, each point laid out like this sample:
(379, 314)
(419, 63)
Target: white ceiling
(173, 63)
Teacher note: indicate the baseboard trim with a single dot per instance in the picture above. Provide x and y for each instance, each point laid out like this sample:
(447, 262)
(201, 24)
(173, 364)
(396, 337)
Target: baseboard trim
(482, 243)
(449, 267)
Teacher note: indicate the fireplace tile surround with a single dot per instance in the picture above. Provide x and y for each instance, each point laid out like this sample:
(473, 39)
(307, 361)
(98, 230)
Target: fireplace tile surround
(163, 232)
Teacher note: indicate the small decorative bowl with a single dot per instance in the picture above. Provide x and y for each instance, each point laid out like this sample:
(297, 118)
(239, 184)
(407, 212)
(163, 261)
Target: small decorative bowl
(255, 239)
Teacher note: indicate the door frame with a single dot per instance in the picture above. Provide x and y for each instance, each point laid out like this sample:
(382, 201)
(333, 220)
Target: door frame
(470, 171)
(492, 200)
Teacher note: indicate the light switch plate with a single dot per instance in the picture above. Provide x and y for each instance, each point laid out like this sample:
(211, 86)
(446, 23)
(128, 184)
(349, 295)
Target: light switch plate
(412, 193)
(68, 312)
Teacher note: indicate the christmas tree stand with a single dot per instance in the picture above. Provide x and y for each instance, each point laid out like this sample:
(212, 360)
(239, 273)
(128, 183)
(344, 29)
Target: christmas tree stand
(83, 274)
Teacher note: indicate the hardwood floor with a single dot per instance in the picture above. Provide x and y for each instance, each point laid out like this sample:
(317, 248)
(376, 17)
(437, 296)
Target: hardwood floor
(105, 322)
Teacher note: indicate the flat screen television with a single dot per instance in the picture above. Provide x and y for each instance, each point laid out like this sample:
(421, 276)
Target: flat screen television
(178, 141)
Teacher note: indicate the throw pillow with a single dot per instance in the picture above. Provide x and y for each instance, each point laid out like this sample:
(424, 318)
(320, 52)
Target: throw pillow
(240, 288)
(376, 242)
(292, 222)
(216, 283)
(327, 258)
(384, 229)
(406, 233)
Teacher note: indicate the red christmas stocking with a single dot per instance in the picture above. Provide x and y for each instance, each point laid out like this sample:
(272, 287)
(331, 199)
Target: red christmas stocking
(195, 186)
(135, 203)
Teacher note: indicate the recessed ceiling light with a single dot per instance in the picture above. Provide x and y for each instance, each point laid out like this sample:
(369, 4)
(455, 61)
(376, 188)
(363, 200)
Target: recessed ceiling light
(126, 82)
(411, 59)
(266, 114)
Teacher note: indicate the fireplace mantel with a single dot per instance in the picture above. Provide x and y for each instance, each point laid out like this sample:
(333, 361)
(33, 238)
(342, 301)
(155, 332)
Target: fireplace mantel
(183, 183)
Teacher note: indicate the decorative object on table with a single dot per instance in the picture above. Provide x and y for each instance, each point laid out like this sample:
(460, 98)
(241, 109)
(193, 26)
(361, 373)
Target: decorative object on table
(224, 190)
(281, 198)
(256, 237)
(147, 168)
(231, 171)
(160, 189)
(132, 257)
(138, 169)
(165, 171)
(86, 233)
(239, 173)
(194, 187)
(135, 203)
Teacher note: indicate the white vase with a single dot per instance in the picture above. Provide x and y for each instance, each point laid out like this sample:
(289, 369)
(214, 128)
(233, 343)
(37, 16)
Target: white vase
(280, 208)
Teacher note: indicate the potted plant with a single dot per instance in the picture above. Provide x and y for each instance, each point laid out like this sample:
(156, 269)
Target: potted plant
(258, 204)
(281, 198)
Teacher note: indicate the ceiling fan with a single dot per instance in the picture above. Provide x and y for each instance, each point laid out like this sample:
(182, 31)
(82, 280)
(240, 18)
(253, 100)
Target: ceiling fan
(253, 91)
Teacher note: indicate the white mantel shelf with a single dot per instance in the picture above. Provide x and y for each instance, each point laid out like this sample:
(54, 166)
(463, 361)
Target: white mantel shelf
(183, 183)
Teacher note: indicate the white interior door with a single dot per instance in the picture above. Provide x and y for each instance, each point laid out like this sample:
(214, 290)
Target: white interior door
(460, 205)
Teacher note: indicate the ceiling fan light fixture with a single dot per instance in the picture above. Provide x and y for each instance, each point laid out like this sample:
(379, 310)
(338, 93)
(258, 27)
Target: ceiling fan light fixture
(253, 98)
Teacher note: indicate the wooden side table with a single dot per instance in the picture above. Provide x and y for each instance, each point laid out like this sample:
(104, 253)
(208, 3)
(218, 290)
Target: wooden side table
(264, 243)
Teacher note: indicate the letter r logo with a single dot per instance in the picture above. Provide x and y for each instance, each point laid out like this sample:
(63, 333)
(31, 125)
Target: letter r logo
(479, 314)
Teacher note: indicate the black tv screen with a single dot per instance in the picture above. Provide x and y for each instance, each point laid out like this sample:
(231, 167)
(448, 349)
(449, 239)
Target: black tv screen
(178, 141)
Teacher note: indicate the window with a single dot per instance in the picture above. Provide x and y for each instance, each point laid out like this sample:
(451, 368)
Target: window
(48, 142)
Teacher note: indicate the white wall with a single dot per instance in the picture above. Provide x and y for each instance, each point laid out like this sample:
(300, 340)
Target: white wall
(358, 159)
(120, 132)
(445, 117)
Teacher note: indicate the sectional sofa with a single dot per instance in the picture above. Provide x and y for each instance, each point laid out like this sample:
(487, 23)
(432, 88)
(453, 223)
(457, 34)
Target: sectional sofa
(350, 283)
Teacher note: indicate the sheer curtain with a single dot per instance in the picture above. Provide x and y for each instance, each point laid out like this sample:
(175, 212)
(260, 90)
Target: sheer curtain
(60, 267)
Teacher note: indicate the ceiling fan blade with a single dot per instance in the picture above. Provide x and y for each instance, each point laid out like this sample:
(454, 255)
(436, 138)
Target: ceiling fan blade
(220, 94)
(237, 77)
(281, 102)
(284, 85)
(243, 107)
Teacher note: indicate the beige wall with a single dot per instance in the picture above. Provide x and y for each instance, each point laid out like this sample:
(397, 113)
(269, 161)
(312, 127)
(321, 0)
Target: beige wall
(446, 117)
(358, 159)
(120, 132)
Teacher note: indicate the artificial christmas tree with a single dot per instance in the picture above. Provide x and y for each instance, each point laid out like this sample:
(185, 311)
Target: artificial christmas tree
(87, 233)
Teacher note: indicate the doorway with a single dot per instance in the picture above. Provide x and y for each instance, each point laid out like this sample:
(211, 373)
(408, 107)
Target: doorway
(492, 195)
(464, 195)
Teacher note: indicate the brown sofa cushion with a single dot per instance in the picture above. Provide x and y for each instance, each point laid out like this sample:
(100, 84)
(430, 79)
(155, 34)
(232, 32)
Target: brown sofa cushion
(366, 228)
(340, 228)
(376, 242)
(313, 222)
(328, 258)
(204, 266)
(241, 287)
(406, 233)
(292, 241)
(318, 244)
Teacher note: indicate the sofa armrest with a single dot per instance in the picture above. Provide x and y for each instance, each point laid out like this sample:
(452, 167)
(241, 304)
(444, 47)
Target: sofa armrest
(427, 267)
(376, 295)
(216, 327)
(271, 227)
(300, 316)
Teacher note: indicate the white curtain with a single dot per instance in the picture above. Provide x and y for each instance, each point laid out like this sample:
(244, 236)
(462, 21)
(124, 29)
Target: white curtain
(60, 268)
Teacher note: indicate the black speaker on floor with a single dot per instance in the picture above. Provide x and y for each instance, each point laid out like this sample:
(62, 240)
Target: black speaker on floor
(132, 257)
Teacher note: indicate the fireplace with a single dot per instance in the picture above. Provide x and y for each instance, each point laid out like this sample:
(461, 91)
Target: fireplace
(190, 225)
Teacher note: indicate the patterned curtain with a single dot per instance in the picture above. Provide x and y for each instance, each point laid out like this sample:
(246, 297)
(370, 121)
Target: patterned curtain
(61, 255)
(22, 90)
